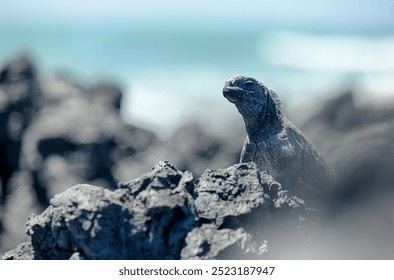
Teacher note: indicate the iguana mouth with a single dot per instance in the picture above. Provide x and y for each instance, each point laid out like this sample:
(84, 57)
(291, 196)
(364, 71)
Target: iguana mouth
(233, 93)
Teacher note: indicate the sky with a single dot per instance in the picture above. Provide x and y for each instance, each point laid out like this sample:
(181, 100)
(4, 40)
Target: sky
(352, 12)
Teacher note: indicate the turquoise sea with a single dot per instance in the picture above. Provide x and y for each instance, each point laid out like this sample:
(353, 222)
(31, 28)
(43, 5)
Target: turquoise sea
(171, 72)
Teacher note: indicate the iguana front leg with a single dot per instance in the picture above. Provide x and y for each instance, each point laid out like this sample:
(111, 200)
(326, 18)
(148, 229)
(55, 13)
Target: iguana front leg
(252, 153)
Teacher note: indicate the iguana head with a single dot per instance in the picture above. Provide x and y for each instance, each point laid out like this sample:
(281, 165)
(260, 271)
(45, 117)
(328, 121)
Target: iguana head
(249, 95)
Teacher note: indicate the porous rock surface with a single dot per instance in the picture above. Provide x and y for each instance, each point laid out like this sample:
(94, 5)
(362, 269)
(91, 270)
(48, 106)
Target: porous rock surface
(147, 218)
(23, 251)
(209, 242)
(225, 196)
(165, 214)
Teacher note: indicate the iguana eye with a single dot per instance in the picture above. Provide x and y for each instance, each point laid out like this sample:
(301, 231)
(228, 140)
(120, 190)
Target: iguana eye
(249, 83)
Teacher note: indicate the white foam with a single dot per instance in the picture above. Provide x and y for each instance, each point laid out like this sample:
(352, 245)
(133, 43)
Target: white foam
(337, 53)
(162, 99)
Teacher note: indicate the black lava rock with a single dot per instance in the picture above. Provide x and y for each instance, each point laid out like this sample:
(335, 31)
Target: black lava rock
(23, 251)
(226, 196)
(166, 214)
(358, 142)
(55, 133)
(147, 218)
(209, 242)
(18, 97)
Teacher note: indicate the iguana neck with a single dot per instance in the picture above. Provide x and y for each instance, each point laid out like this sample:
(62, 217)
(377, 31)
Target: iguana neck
(267, 122)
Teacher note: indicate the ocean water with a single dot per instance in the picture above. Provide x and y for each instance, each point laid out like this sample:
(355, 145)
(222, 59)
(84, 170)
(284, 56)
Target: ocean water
(171, 73)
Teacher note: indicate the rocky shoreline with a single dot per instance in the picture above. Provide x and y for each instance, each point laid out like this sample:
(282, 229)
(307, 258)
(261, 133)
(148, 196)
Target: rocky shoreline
(198, 204)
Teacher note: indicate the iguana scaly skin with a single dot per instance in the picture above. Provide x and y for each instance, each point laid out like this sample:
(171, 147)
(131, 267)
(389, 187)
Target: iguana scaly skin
(274, 143)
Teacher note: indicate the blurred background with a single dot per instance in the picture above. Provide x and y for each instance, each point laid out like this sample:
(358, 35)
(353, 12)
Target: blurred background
(99, 91)
(172, 57)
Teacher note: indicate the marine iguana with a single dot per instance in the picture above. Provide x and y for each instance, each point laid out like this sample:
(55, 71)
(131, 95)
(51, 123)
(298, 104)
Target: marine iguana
(274, 143)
